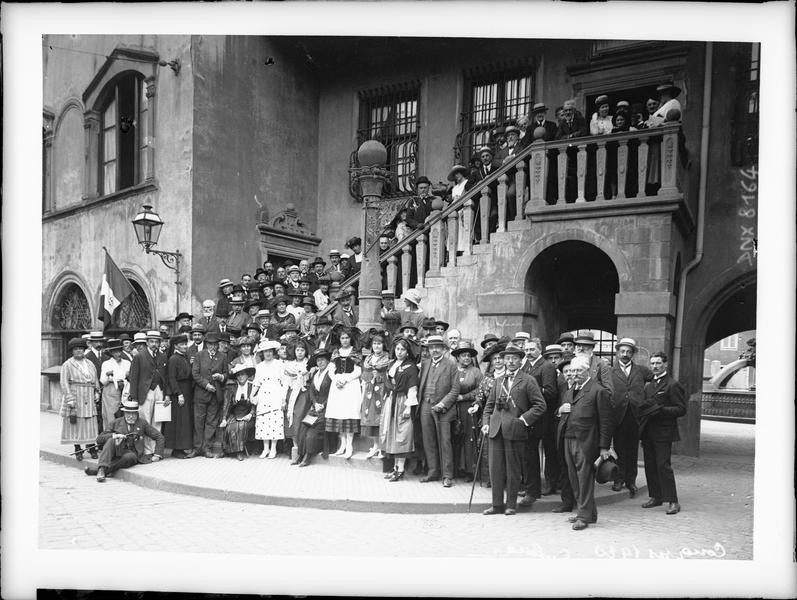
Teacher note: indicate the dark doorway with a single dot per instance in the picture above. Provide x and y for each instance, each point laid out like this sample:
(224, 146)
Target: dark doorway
(575, 285)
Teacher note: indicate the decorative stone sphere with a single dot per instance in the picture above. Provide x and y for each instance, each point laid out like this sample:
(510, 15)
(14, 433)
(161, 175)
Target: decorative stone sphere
(673, 115)
(539, 133)
(372, 154)
(437, 203)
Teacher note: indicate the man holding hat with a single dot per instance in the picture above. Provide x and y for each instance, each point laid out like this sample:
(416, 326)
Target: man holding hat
(209, 374)
(391, 318)
(514, 405)
(629, 381)
(585, 430)
(599, 369)
(438, 393)
(123, 443)
(148, 382)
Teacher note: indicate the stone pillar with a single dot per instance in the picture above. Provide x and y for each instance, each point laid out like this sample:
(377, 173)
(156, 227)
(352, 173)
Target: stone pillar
(370, 177)
(91, 172)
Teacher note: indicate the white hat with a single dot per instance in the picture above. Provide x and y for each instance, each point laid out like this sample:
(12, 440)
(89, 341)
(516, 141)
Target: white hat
(412, 295)
(152, 334)
(267, 345)
(522, 335)
(631, 343)
(344, 255)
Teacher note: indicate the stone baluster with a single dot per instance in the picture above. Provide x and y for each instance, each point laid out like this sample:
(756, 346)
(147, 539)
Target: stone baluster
(537, 173)
(520, 188)
(484, 209)
(581, 171)
(420, 258)
(600, 168)
(622, 168)
(467, 229)
(392, 273)
(561, 174)
(642, 166)
(406, 267)
(669, 163)
(437, 238)
(502, 184)
(452, 237)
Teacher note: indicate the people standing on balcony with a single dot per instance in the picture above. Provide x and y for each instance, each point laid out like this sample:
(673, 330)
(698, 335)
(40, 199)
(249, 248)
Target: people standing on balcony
(345, 395)
(651, 105)
(514, 405)
(571, 126)
(418, 207)
(667, 102)
(538, 112)
(80, 389)
(586, 432)
(465, 436)
(396, 429)
(270, 397)
(664, 403)
(238, 414)
(488, 166)
(507, 154)
(438, 392)
(601, 122)
(629, 394)
(374, 369)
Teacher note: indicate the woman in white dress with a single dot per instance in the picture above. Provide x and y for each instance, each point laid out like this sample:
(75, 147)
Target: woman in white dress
(269, 393)
(345, 395)
(460, 184)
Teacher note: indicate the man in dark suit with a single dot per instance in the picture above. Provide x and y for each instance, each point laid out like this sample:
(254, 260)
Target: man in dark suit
(573, 125)
(515, 404)
(544, 373)
(208, 314)
(148, 382)
(664, 402)
(538, 120)
(489, 165)
(123, 443)
(94, 354)
(629, 394)
(437, 395)
(419, 207)
(586, 432)
(345, 313)
(209, 373)
(599, 369)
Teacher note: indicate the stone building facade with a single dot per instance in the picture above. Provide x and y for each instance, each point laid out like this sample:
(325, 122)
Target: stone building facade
(243, 146)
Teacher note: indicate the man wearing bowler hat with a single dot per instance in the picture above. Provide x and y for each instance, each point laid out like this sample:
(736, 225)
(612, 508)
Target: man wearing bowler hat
(419, 207)
(629, 381)
(514, 405)
(184, 319)
(209, 373)
(567, 342)
(316, 273)
(599, 369)
(438, 393)
(148, 382)
(345, 313)
(664, 402)
(585, 430)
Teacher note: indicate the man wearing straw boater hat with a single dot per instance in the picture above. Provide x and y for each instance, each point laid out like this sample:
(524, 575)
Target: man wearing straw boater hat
(514, 405)
(148, 382)
(123, 443)
(629, 381)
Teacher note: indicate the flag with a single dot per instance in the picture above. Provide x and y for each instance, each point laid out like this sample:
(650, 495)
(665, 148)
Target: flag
(115, 288)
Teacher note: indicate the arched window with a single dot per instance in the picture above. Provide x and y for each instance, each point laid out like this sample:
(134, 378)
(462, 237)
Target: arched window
(134, 312)
(124, 119)
(71, 311)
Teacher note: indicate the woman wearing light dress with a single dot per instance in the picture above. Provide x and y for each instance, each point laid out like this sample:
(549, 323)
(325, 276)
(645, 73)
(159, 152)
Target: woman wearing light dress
(373, 380)
(345, 395)
(80, 388)
(269, 392)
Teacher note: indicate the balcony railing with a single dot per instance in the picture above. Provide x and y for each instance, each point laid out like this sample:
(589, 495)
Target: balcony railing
(599, 171)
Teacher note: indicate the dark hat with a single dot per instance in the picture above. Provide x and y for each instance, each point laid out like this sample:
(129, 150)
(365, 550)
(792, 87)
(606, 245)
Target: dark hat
(565, 337)
(279, 299)
(491, 352)
(465, 346)
(184, 329)
(422, 179)
(606, 471)
(259, 270)
(290, 327)
(318, 260)
(408, 325)
(343, 295)
(565, 360)
(180, 339)
(411, 346)
(602, 99)
(455, 169)
(251, 303)
(222, 313)
(354, 241)
(242, 368)
(113, 344)
(198, 327)
(488, 337)
(212, 338)
(224, 336)
(237, 289)
(673, 90)
(428, 323)
(252, 325)
(512, 349)
(183, 315)
(267, 283)
(325, 320)
(125, 337)
(320, 353)
(585, 337)
(77, 343)
(442, 324)
(308, 301)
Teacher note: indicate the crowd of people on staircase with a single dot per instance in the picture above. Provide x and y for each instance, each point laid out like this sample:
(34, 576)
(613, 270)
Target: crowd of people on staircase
(418, 396)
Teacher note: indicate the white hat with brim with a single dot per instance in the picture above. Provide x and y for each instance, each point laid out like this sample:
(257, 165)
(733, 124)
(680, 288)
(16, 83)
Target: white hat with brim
(631, 343)
(267, 345)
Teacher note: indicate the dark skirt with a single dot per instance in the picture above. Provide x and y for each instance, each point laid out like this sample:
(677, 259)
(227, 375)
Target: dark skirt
(237, 433)
(179, 431)
(465, 445)
(300, 409)
(343, 425)
(310, 439)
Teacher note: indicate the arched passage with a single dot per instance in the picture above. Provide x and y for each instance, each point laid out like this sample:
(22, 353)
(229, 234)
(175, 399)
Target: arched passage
(574, 284)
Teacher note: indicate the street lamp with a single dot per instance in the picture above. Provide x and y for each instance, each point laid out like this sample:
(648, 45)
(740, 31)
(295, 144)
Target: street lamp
(148, 225)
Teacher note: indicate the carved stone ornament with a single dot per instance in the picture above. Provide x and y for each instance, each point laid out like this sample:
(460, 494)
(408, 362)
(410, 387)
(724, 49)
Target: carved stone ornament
(288, 220)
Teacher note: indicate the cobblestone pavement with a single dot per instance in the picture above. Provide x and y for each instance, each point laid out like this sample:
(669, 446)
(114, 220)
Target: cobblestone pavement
(76, 512)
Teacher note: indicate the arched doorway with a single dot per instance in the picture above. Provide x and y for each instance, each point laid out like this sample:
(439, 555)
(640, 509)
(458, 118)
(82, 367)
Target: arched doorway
(70, 317)
(575, 284)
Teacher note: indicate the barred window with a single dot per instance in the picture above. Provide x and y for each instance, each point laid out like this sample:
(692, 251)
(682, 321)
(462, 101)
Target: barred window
(391, 116)
(71, 311)
(134, 312)
(745, 135)
(123, 144)
(493, 99)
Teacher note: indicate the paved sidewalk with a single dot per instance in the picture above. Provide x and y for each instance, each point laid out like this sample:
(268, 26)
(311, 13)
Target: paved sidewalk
(328, 485)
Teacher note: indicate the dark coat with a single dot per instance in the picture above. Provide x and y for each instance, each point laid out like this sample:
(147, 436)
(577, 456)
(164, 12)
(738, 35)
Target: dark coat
(525, 400)
(201, 371)
(494, 166)
(448, 388)
(664, 402)
(544, 373)
(578, 128)
(145, 373)
(550, 131)
(590, 419)
(601, 372)
(417, 210)
(628, 391)
(136, 444)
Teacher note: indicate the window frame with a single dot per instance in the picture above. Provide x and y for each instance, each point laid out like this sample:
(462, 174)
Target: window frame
(746, 121)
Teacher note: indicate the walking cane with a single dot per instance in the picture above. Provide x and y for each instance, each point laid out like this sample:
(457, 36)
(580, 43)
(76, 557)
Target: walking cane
(478, 462)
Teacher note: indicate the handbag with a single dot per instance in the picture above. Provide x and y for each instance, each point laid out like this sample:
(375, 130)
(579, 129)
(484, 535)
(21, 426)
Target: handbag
(310, 420)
